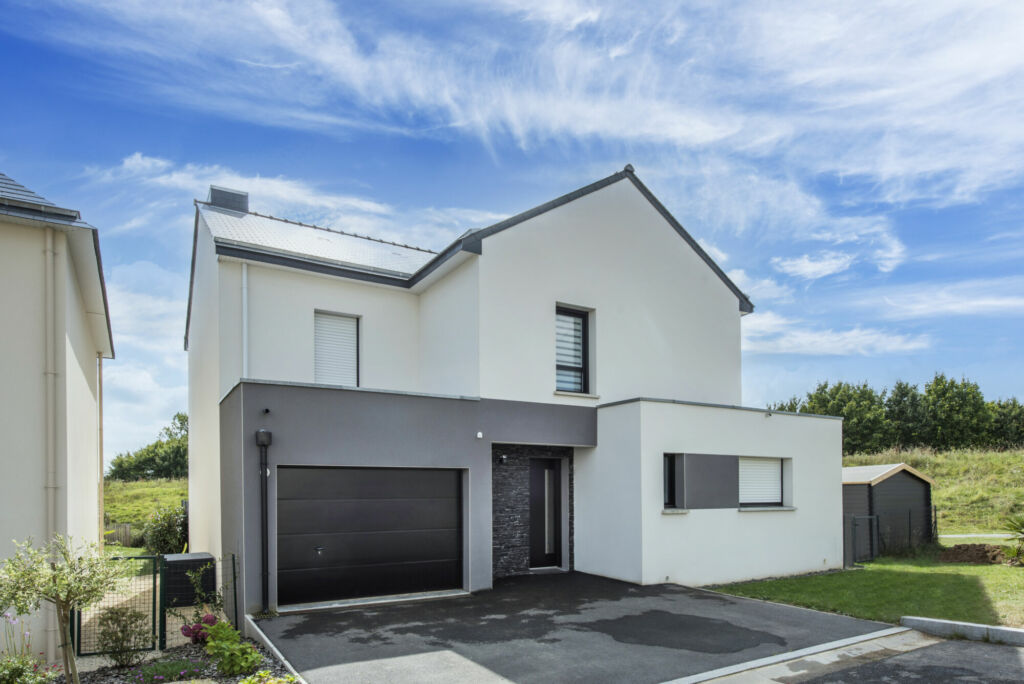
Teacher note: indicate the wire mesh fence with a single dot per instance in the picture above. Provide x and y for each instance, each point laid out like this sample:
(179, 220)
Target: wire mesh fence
(138, 593)
(170, 591)
(889, 531)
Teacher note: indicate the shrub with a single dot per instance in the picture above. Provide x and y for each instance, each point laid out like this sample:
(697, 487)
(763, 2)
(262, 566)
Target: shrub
(1015, 526)
(197, 631)
(233, 656)
(166, 671)
(265, 677)
(123, 634)
(25, 669)
(166, 531)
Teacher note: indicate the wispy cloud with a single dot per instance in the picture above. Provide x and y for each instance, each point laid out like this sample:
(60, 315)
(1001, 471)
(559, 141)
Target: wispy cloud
(760, 289)
(813, 267)
(770, 333)
(976, 297)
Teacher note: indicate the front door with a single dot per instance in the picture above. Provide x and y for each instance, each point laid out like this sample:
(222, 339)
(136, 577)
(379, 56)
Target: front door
(545, 513)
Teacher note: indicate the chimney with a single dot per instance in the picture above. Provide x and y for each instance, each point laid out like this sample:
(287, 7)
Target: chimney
(225, 198)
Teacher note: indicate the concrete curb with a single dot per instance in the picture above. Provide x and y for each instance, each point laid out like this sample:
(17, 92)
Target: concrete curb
(965, 630)
(253, 631)
(783, 657)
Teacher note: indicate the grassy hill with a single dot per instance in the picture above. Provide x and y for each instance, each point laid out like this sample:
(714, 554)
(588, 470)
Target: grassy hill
(132, 502)
(974, 490)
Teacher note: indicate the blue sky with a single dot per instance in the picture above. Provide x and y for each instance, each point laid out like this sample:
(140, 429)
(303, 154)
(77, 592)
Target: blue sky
(857, 168)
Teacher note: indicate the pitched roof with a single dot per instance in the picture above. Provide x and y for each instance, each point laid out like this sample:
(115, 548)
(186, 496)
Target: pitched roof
(307, 241)
(266, 238)
(873, 474)
(23, 206)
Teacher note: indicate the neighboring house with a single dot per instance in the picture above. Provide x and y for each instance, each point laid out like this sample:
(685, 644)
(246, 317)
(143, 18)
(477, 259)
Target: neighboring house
(892, 505)
(558, 390)
(56, 334)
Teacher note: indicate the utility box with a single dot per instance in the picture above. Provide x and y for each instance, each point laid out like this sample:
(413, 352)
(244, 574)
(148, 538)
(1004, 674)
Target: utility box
(178, 588)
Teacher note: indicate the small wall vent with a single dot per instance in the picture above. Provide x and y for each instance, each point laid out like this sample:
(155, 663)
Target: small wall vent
(225, 198)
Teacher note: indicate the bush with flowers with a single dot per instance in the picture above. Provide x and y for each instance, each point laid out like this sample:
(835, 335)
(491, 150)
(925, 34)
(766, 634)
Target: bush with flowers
(18, 664)
(197, 630)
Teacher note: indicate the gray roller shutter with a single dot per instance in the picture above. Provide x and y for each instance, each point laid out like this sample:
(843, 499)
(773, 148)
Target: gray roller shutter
(336, 349)
(760, 481)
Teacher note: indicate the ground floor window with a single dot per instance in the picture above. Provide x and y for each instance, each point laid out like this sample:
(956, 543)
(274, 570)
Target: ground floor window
(760, 481)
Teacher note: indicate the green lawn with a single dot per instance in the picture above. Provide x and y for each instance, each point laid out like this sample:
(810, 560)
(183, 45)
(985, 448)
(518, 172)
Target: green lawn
(974, 490)
(889, 588)
(132, 502)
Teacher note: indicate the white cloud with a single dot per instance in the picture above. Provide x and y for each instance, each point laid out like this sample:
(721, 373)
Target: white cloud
(814, 267)
(770, 333)
(978, 297)
(714, 252)
(760, 289)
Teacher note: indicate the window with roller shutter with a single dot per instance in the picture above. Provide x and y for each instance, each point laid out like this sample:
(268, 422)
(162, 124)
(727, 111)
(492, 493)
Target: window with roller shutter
(336, 349)
(571, 351)
(760, 481)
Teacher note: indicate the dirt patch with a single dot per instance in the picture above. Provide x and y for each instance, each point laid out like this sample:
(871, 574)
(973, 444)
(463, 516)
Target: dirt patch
(982, 554)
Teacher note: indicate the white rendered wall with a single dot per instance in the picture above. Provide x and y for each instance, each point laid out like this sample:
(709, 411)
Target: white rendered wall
(80, 443)
(204, 379)
(449, 333)
(22, 396)
(712, 546)
(607, 504)
(665, 325)
(281, 307)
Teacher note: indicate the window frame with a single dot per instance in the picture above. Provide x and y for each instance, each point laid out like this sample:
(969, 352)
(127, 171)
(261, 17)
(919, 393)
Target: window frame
(359, 340)
(782, 486)
(671, 467)
(584, 369)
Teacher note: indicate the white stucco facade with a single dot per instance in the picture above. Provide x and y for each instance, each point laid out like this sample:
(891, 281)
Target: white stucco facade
(55, 336)
(663, 322)
(715, 545)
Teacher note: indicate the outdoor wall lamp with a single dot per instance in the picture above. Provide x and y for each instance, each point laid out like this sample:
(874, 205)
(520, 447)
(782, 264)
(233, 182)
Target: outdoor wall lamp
(503, 459)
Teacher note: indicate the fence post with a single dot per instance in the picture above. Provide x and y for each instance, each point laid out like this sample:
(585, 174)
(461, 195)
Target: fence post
(163, 603)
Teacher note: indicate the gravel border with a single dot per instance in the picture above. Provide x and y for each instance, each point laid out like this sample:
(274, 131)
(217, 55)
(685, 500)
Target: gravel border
(113, 675)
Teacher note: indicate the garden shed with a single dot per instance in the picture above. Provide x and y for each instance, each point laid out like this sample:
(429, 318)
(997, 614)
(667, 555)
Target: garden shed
(885, 508)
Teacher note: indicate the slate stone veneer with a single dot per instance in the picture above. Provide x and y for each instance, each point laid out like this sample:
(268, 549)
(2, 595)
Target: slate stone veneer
(511, 504)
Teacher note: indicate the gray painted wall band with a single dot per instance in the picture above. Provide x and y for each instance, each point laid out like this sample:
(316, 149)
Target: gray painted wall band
(319, 426)
(711, 481)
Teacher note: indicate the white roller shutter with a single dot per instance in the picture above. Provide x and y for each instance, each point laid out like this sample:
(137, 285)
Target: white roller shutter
(336, 344)
(761, 481)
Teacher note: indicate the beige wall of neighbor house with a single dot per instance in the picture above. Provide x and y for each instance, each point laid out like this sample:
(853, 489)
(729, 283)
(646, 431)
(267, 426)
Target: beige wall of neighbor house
(663, 323)
(34, 280)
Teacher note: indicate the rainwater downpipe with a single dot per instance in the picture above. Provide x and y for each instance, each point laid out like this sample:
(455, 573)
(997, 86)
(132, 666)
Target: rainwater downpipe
(50, 395)
(263, 439)
(245, 320)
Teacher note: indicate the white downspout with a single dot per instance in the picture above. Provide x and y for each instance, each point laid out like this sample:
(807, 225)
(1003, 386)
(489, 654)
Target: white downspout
(50, 393)
(245, 320)
(99, 433)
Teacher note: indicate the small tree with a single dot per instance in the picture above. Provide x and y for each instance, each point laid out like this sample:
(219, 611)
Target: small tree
(57, 573)
(955, 412)
(904, 409)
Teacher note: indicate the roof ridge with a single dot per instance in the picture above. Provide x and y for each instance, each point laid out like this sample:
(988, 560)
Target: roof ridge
(325, 229)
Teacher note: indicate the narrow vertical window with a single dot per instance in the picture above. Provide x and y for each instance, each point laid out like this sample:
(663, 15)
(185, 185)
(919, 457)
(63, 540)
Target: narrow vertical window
(670, 480)
(571, 351)
(336, 349)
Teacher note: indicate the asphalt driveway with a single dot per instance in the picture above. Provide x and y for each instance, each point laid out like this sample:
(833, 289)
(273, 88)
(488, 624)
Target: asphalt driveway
(550, 628)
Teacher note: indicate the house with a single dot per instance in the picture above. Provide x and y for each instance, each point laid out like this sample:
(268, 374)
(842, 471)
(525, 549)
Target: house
(885, 507)
(56, 336)
(559, 390)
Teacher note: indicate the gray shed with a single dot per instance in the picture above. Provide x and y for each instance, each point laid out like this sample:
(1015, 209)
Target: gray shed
(885, 508)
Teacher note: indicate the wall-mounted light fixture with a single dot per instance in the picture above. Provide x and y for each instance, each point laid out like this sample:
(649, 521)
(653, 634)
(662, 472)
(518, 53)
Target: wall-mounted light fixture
(503, 459)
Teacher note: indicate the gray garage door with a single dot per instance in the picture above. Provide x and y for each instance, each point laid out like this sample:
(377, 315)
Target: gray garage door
(351, 532)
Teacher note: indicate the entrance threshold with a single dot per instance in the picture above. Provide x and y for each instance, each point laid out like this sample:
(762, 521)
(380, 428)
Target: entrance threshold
(369, 601)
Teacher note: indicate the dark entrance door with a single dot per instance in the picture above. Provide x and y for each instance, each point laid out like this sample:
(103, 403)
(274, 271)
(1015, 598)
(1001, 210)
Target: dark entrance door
(545, 513)
(350, 532)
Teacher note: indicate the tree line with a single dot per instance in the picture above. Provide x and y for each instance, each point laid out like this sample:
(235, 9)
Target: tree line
(948, 414)
(167, 457)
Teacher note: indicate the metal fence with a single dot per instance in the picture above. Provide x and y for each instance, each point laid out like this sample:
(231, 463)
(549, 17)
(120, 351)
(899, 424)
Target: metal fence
(166, 594)
(889, 531)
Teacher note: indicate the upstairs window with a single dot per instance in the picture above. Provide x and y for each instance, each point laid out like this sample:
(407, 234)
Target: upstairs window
(760, 481)
(336, 349)
(571, 351)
